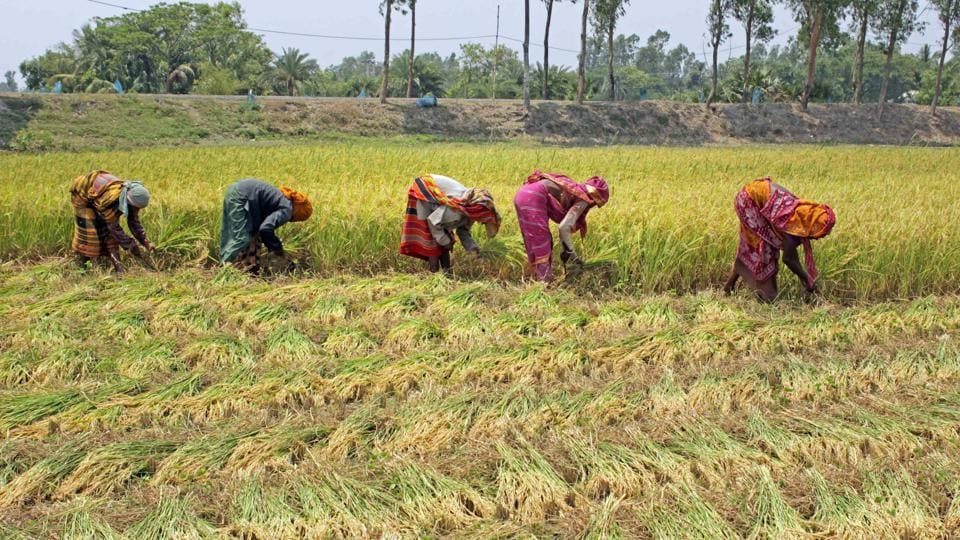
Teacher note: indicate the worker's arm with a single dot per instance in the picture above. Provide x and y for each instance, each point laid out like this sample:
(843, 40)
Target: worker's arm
(440, 235)
(267, 231)
(133, 221)
(791, 258)
(466, 238)
(566, 231)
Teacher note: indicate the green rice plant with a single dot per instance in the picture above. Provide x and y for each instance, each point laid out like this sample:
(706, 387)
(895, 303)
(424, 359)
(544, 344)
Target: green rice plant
(184, 316)
(107, 469)
(257, 513)
(610, 470)
(951, 521)
(198, 459)
(771, 439)
(275, 449)
(150, 357)
(685, 514)
(219, 351)
(840, 511)
(173, 517)
(713, 453)
(349, 341)
(896, 503)
(11, 533)
(413, 333)
(29, 408)
(287, 344)
(529, 490)
(772, 515)
(82, 525)
(603, 524)
(355, 434)
(336, 505)
(437, 503)
(41, 479)
(329, 311)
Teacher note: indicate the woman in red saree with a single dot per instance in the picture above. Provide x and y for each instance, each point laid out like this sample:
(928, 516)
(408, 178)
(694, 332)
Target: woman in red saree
(773, 219)
(555, 197)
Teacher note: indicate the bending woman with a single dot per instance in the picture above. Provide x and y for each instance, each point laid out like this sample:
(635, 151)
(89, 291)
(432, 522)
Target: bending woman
(441, 210)
(555, 197)
(773, 219)
(253, 210)
(99, 199)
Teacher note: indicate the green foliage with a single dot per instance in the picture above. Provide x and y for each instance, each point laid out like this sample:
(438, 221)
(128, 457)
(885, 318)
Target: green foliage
(155, 50)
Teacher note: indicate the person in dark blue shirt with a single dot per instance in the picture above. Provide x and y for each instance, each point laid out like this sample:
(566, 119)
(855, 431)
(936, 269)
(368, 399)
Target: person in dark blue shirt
(253, 210)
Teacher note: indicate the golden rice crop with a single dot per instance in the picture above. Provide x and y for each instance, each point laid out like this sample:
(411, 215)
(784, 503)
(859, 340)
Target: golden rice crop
(669, 226)
(199, 403)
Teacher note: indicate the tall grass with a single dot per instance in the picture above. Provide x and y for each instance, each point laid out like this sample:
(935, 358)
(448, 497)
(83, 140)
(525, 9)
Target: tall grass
(669, 226)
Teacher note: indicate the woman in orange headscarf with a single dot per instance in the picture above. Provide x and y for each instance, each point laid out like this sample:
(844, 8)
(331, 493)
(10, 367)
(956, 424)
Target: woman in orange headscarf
(773, 219)
(252, 212)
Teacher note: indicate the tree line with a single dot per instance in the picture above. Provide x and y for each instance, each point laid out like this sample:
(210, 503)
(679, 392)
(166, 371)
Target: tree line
(844, 50)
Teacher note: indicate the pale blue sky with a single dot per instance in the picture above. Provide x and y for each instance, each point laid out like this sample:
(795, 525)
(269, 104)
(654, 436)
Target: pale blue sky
(31, 26)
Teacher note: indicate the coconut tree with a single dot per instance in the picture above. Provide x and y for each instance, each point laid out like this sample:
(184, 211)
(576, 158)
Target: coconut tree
(293, 67)
(180, 77)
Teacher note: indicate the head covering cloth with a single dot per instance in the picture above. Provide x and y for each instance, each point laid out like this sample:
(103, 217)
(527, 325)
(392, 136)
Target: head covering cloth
(133, 193)
(595, 192)
(302, 207)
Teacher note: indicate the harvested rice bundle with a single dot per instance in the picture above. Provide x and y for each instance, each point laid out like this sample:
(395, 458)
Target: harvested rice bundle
(107, 469)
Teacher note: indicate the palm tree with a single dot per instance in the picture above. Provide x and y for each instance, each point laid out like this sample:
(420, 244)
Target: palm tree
(293, 67)
(182, 75)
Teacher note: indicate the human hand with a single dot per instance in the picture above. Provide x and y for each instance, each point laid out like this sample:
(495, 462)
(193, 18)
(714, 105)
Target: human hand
(571, 257)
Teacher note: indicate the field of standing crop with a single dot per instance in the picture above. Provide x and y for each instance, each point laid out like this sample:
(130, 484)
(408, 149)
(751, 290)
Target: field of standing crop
(669, 226)
(360, 400)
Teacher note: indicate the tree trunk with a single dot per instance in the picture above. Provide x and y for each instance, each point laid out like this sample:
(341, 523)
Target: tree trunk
(713, 80)
(386, 52)
(582, 64)
(891, 47)
(746, 57)
(611, 91)
(943, 55)
(815, 32)
(526, 55)
(545, 94)
(413, 43)
(858, 58)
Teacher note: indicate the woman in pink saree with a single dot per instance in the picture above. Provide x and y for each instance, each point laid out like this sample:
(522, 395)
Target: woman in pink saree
(547, 197)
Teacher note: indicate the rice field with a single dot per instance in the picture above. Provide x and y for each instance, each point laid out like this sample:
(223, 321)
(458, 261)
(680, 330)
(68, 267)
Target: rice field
(358, 399)
(202, 403)
(669, 226)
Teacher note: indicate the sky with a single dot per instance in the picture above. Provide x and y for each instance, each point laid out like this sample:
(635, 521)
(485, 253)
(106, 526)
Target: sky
(31, 26)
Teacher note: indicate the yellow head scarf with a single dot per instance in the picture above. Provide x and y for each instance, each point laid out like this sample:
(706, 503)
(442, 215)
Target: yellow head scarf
(302, 208)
